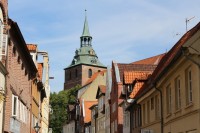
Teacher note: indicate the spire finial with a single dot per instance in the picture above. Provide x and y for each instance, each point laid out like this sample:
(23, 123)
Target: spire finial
(85, 13)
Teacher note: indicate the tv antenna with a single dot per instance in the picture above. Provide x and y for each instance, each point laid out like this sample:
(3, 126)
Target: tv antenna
(188, 20)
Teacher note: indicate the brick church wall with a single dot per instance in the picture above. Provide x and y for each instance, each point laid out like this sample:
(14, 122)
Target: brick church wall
(72, 79)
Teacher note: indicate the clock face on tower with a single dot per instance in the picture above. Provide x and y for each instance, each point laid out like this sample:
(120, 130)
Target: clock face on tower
(93, 61)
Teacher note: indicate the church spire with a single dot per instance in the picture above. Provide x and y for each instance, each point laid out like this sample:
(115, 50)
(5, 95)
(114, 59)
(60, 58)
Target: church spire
(86, 27)
(86, 39)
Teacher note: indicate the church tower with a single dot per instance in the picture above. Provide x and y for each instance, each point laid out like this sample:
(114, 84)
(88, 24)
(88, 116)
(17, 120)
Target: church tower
(85, 62)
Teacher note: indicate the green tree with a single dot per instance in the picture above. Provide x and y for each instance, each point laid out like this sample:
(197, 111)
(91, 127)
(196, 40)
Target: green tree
(59, 102)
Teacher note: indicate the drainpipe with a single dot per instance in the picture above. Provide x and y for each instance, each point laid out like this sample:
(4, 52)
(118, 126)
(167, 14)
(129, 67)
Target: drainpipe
(161, 109)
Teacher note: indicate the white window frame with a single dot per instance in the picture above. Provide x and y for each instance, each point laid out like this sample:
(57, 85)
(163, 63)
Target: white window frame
(3, 41)
(14, 113)
(178, 92)
(169, 99)
(189, 85)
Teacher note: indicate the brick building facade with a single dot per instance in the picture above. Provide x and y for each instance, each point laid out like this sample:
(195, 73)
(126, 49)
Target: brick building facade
(21, 71)
(3, 45)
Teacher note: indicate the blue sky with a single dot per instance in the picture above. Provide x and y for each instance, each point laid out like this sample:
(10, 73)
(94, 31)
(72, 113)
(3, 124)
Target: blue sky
(122, 30)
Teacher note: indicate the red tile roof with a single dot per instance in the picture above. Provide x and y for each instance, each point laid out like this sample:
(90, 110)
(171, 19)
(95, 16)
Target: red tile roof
(134, 67)
(151, 60)
(130, 76)
(32, 47)
(136, 89)
(168, 59)
(87, 105)
(40, 70)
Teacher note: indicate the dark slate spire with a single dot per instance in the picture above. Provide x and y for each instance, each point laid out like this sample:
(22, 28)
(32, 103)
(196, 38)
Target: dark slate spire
(86, 54)
(86, 39)
(86, 27)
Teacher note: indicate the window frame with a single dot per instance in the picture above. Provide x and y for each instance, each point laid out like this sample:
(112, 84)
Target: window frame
(14, 105)
(178, 92)
(169, 99)
(189, 89)
(89, 73)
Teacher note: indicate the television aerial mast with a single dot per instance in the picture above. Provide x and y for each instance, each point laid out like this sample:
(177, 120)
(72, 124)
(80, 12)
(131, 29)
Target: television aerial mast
(188, 20)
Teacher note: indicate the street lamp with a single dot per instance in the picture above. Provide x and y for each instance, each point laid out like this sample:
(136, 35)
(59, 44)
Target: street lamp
(37, 128)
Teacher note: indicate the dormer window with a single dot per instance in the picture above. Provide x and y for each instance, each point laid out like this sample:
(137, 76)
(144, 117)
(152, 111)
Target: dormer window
(130, 88)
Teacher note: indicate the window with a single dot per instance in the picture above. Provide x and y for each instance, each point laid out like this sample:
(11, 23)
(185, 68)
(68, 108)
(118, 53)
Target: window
(168, 99)
(14, 105)
(76, 72)
(144, 114)
(188, 77)
(148, 111)
(23, 112)
(132, 118)
(3, 41)
(135, 120)
(157, 107)
(89, 73)
(152, 103)
(70, 75)
(178, 93)
(130, 88)
(139, 116)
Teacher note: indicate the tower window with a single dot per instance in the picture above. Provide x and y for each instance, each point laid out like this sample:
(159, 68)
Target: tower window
(70, 75)
(89, 73)
(76, 72)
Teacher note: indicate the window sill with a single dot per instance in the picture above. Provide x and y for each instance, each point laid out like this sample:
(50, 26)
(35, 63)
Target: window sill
(189, 105)
(168, 115)
(177, 111)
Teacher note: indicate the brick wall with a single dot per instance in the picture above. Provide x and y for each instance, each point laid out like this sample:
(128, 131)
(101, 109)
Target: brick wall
(72, 79)
(17, 83)
(115, 93)
(85, 69)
